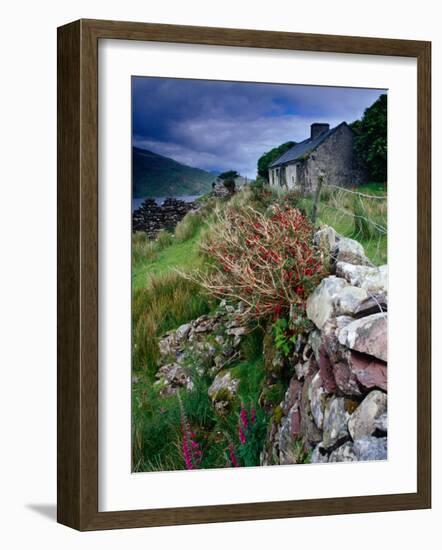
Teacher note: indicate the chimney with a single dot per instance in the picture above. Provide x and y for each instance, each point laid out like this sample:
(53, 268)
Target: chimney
(318, 128)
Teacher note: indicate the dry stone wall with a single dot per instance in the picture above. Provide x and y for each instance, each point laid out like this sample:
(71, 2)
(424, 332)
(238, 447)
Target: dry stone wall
(335, 407)
(150, 217)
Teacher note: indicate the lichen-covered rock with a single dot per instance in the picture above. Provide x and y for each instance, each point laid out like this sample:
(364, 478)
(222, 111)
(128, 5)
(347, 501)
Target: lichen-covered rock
(183, 331)
(319, 455)
(367, 335)
(309, 430)
(326, 238)
(372, 279)
(223, 188)
(210, 341)
(223, 390)
(370, 448)
(334, 297)
(350, 299)
(344, 453)
(329, 337)
(381, 423)
(315, 341)
(350, 251)
(363, 421)
(322, 304)
(302, 369)
(292, 395)
(318, 397)
(369, 372)
(326, 371)
(374, 303)
(345, 379)
(270, 453)
(289, 433)
(336, 416)
(172, 377)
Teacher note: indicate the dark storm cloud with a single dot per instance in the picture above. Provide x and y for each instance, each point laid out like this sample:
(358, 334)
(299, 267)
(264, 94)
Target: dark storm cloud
(222, 125)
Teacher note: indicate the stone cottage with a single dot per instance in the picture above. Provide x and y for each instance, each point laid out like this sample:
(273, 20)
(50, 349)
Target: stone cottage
(327, 152)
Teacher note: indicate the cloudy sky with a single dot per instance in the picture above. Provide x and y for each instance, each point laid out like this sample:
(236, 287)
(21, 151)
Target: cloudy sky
(220, 126)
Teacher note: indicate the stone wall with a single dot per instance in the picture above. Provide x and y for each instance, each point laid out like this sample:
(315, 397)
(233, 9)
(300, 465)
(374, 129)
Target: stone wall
(335, 407)
(151, 218)
(333, 380)
(333, 158)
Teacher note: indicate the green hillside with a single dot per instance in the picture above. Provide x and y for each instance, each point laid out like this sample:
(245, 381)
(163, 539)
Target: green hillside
(156, 176)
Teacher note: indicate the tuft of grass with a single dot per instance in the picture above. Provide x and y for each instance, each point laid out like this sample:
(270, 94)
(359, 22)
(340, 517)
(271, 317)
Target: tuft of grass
(251, 375)
(143, 249)
(188, 226)
(355, 216)
(252, 344)
(178, 255)
(155, 430)
(168, 302)
(362, 226)
(164, 239)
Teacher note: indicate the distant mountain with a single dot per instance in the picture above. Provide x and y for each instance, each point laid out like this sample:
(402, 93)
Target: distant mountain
(158, 176)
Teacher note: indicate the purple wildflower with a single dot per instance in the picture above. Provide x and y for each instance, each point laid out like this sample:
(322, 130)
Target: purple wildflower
(253, 415)
(232, 456)
(243, 416)
(242, 436)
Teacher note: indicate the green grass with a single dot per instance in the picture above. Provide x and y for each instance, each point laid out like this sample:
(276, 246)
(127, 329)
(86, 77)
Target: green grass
(156, 421)
(156, 424)
(188, 227)
(143, 249)
(354, 225)
(166, 303)
(162, 300)
(182, 255)
(373, 188)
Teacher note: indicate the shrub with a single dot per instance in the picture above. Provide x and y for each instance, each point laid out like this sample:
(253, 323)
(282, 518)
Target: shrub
(267, 262)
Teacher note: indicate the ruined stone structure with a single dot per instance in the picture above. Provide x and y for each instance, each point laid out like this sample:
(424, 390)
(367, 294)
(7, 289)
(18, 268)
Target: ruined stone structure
(151, 217)
(327, 154)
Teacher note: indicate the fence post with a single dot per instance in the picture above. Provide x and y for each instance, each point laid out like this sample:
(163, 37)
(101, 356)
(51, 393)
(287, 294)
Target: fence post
(317, 197)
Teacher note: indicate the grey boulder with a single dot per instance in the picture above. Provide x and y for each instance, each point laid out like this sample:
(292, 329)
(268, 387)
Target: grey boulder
(350, 251)
(322, 304)
(367, 335)
(336, 416)
(344, 453)
(363, 422)
(373, 279)
(370, 448)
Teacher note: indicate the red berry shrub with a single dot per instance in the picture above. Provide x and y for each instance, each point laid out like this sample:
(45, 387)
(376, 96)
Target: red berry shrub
(267, 261)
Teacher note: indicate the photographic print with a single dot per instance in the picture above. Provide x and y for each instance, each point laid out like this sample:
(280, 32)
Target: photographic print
(259, 274)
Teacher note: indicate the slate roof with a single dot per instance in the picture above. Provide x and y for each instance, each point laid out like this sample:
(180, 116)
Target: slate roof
(304, 147)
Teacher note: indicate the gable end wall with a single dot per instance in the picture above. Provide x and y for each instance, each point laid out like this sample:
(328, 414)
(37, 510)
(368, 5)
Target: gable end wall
(333, 158)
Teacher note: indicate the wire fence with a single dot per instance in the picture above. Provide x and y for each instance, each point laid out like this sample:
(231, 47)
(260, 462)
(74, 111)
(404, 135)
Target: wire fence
(359, 215)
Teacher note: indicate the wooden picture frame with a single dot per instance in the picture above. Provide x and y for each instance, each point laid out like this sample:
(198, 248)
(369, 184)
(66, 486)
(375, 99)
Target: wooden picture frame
(78, 274)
